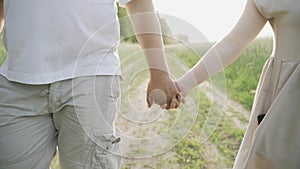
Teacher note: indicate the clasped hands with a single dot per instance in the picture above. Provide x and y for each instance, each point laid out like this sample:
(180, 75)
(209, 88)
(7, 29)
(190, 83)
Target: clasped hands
(164, 91)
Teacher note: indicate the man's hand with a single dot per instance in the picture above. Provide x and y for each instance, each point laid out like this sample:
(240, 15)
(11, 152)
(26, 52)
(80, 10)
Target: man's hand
(145, 21)
(162, 90)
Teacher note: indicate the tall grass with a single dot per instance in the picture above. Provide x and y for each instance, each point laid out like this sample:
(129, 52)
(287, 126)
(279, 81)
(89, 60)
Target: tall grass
(241, 81)
(242, 76)
(3, 52)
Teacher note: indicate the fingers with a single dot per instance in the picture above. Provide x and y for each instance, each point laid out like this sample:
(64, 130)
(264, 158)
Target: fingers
(181, 95)
(183, 100)
(158, 97)
(149, 103)
(170, 104)
(164, 106)
(166, 94)
(180, 98)
(174, 103)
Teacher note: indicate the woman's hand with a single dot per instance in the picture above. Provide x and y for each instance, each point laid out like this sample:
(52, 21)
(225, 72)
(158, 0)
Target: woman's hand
(182, 89)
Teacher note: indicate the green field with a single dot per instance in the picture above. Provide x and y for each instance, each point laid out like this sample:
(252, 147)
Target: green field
(241, 81)
(219, 151)
(241, 76)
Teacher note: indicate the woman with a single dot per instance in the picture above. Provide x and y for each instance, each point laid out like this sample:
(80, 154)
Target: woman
(275, 142)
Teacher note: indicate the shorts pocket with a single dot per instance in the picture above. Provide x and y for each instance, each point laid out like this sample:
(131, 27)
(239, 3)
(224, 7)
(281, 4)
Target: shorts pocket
(108, 144)
(107, 151)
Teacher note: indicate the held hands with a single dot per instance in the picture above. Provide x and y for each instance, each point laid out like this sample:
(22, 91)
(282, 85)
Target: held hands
(164, 91)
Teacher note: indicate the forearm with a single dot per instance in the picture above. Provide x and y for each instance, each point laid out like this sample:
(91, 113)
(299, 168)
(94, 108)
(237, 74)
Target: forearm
(148, 32)
(215, 60)
(228, 49)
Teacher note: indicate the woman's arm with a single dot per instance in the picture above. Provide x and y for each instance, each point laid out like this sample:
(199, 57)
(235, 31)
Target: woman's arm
(227, 50)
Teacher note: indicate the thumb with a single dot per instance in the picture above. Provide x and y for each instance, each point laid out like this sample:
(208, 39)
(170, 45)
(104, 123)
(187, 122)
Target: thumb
(148, 99)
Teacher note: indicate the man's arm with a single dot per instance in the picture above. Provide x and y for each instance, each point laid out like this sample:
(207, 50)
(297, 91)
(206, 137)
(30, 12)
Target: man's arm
(147, 29)
(1, 15)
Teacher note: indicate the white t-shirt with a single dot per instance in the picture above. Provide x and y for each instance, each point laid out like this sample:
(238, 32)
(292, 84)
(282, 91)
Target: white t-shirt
(53, 40)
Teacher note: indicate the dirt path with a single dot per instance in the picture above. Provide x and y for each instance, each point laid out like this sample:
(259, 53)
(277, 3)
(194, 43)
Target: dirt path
(232, 109)
(137, 122)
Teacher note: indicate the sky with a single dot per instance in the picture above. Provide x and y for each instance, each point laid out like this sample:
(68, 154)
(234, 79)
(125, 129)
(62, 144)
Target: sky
(213, 18)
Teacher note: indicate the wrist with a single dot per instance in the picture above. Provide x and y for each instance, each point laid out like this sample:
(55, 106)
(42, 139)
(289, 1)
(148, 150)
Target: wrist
(157, 74)
(156, 61)
(182, 87)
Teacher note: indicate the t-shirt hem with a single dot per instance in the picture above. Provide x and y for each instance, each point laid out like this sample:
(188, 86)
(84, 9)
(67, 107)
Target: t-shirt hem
(58, 76)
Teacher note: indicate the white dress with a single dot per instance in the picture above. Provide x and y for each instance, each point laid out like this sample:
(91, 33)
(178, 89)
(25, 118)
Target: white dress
(275, 142)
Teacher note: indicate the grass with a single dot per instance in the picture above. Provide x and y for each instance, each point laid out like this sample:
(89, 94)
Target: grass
(241, 81)
(242, 76)
(189, 151)
(3, 53)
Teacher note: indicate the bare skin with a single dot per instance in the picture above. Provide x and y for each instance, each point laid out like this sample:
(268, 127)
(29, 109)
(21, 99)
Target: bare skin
(159, 77)
(226, 50)
(147, 28)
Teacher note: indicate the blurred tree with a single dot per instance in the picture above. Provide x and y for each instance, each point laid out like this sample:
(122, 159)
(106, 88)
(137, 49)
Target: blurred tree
(126, 29)
(127, 33)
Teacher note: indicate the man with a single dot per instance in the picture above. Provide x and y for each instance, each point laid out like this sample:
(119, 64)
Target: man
(59, 85)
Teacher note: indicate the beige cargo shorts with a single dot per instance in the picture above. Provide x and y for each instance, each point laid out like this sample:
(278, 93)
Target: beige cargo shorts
(75, 115)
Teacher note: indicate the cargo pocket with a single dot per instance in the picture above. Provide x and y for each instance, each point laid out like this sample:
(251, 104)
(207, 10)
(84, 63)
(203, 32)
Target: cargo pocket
(108, 152)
